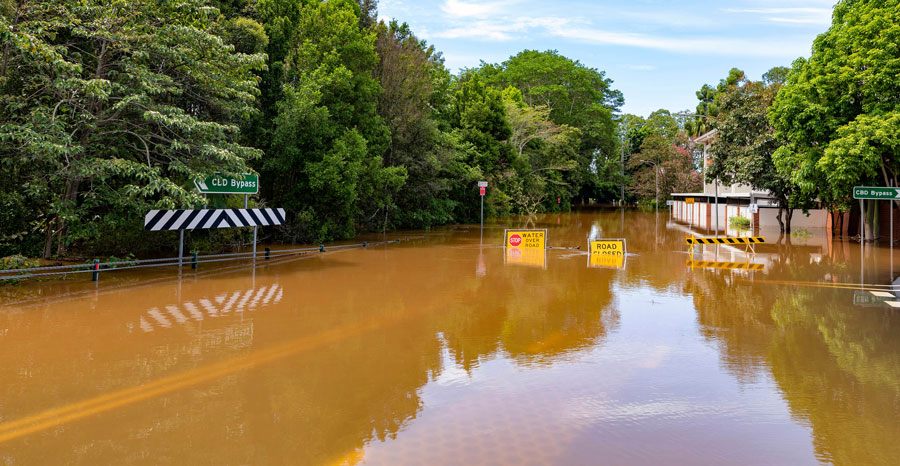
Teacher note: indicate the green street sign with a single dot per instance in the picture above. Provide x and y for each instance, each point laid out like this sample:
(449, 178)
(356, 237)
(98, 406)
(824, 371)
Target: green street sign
(222, 184)
(874, 192)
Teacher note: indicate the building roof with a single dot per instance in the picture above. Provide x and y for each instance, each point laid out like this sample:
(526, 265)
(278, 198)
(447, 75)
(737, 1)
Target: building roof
(706, 137)
(756, 194)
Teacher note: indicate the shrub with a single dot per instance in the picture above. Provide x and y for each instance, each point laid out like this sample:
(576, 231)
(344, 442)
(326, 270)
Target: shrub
(740, 223)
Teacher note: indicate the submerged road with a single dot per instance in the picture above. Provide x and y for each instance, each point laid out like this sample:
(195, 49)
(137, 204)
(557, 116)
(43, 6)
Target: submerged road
(445, 350)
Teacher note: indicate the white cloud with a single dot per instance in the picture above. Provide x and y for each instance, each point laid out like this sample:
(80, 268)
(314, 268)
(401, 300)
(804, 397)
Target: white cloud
(638, 67)
(461, 9)
(577, 30)
(500, 30)
(795, 15)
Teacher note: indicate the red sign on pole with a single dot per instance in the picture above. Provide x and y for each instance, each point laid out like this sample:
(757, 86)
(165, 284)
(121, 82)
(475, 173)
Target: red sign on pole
(481, 190)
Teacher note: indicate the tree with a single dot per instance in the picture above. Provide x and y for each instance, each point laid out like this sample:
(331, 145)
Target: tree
(414, 83)
(544, 151)
(480, 115)
(709, 105)
(745, 142)
(672, 163)
(112, 107)
(328, 139)
(838, 110)
(576, 95)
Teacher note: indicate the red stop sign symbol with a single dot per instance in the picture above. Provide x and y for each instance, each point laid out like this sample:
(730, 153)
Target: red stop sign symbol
(515, 240)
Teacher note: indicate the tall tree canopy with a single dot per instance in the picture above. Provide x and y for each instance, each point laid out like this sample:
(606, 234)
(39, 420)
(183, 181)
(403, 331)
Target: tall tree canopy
(324, 164)
(709, 104)
(576, 95)
(745, 142)
(112, 107)
(839, 111)
(109, 107)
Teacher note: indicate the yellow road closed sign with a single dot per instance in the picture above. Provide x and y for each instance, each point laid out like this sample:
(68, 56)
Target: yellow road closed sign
(607, 253)
(525, 239)
(608, 247)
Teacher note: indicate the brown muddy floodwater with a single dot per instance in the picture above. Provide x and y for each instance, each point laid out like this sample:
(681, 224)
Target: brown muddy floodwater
(440, 351)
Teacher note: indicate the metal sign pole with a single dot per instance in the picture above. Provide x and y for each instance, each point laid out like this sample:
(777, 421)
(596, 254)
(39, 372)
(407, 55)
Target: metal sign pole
(482, 190)
(180, 247)
(862, 218)
(717, 206)
(254, 230)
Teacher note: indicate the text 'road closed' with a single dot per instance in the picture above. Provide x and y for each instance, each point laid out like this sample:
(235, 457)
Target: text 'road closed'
(609, 247)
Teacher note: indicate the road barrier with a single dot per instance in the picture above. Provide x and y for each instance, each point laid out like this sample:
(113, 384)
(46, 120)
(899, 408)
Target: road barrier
(749, 242)
(725, 240)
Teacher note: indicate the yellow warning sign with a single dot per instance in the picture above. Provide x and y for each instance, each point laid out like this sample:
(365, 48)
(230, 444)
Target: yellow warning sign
(608, 261)
(689, 200)
(609, 247)
(530, 257)
(525, 239)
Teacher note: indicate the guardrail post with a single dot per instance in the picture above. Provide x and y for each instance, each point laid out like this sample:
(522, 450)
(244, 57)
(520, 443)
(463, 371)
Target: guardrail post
(321, 248)
(95, 275)
(268, 253)
(194, 261)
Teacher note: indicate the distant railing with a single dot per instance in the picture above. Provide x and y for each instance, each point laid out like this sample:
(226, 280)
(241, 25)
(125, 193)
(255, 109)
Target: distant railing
(193, 260)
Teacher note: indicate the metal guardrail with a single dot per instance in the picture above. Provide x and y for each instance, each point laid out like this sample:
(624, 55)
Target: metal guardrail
(192, 260)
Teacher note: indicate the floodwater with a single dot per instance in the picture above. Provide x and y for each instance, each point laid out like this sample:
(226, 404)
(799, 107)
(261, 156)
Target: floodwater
(438, 350)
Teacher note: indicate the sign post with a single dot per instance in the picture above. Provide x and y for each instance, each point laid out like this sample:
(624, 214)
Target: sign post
(875, 193)
(246, 184)
(482, 186)
(690, 201)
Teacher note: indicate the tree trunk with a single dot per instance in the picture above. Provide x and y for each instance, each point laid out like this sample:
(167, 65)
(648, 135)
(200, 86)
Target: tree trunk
(787, 222)
(48, 243)
(869, 221)
(833, 216)
(778, 217)
(70, 197)
(841, 224)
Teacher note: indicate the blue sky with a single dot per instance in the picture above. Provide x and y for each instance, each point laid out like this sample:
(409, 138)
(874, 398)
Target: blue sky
(658, 53)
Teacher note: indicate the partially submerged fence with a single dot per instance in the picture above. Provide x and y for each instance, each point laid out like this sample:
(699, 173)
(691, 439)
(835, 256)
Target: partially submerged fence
(195, 260)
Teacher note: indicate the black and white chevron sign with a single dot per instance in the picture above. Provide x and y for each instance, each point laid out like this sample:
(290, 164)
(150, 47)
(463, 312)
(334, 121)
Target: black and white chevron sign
(197, 219)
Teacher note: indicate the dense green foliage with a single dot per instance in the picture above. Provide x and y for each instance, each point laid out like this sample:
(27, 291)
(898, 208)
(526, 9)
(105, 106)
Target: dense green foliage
(745, 142)
(113, 107)
(108, 108)
(709, 104)
(576, 96)
(658, 158)
(838, 112)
